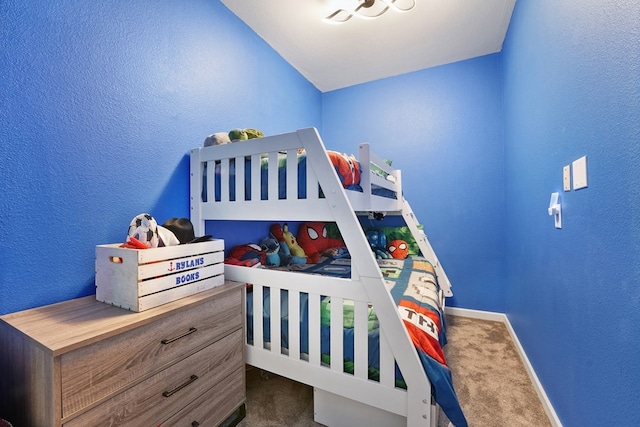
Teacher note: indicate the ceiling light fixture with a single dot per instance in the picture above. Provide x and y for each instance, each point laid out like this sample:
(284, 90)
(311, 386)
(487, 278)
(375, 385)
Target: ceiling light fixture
(367, 9)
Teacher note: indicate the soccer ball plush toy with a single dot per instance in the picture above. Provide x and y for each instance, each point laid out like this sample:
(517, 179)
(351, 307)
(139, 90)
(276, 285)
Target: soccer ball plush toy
(144, 233)
(144, 228)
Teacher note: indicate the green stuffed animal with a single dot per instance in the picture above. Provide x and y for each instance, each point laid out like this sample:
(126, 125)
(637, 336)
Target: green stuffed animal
(244, 134)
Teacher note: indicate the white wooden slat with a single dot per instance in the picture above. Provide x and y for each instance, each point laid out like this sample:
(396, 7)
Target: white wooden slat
(258, 322)
(337, 333)
(387, 362)
(294, 324)
(272, 174)
(312, 183)
(361, 339)
(314, 329)
(249, 322)
(211, 182)
(292, 174)
(271, 210)
(240, 184)
(224, 180)
(275, 319)
(398, 175)
(365, 169)
(196, 178)
(255, 177)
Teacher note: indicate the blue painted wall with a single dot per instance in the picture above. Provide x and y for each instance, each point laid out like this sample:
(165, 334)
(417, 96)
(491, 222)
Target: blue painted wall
(572, 88)
(99, 106)
(443, 128)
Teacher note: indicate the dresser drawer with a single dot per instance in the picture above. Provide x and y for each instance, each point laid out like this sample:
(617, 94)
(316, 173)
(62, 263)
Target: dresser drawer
(214, 406)
(168, 391)
(99, 370)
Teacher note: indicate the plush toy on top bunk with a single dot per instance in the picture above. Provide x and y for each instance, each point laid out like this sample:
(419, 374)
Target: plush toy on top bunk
(220, 138)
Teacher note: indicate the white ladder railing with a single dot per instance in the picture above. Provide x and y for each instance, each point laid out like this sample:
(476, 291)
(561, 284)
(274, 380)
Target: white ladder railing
(425, 247)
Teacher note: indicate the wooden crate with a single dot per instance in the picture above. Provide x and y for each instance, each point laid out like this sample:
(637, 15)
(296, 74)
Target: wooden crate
(140, 279)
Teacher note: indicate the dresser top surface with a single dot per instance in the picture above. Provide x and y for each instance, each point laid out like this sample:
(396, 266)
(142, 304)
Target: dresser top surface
(70, 324)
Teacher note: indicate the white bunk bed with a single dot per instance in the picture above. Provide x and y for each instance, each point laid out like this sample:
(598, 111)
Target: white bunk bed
(340, 398)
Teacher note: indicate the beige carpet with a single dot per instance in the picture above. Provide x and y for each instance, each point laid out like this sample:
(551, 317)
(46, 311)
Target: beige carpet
(491, 382)
(493, 387)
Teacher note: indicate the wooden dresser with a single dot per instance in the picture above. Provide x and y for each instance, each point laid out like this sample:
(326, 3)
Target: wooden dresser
(85, 363)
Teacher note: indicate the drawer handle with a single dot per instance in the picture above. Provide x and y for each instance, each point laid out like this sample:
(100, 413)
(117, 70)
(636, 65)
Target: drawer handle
(180, 387)
(170, 340)
(195, 424)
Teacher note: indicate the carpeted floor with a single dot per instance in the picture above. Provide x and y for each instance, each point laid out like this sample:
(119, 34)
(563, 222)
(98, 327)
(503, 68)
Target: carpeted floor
(493, 387)
(491, 382)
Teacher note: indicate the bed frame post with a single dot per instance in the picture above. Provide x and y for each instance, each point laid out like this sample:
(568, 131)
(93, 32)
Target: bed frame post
(365, 176)
(195, 181)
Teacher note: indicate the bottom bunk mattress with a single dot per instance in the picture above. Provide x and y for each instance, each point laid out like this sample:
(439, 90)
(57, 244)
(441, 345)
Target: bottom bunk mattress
(413, 285)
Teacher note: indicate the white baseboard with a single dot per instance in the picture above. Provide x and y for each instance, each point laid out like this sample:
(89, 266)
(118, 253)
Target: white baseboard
(476, 314)
(501, 317)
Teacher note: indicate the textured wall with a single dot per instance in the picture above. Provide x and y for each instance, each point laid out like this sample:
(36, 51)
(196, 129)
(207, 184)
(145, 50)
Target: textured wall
(100, 104)
(572, 88)
(443, 128)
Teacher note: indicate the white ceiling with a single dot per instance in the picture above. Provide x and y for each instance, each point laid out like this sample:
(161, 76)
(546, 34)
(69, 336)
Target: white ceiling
(334, 56)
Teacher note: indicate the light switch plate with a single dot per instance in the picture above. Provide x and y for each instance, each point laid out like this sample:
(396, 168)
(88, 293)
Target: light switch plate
(566, 178)
(579, 173)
